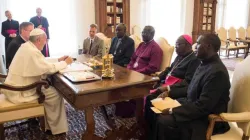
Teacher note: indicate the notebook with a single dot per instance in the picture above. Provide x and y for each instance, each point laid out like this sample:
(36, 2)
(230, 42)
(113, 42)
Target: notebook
(76, 66)
(161, 104)
(79, 76)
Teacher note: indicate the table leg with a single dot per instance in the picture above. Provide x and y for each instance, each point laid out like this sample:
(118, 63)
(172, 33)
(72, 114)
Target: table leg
(89, 134)
(247, 51)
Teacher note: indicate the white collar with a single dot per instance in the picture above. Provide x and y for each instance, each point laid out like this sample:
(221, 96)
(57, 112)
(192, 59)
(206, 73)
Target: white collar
(23, 38)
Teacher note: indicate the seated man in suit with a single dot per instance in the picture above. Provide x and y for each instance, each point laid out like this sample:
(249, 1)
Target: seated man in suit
(208, 93)
(122, 47)
(148, 56)
(180, 73)
(24, 30)
(93, 45)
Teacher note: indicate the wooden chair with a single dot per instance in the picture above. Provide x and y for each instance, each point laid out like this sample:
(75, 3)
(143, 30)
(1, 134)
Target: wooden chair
(12, 112)
(241, 36)
(234, 42)
(248, 33)
(167, 52)
(136, 30)
(136, 39)
(222, 34)
(239, 107)
(107, 41)
(2, 65)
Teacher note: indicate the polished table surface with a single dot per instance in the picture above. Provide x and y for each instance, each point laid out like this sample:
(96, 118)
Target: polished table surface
(125, 85)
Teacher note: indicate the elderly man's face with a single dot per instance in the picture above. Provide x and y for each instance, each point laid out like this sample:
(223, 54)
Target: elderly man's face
(181, 46)
(8, 15)
(147, 35)
(42, 41)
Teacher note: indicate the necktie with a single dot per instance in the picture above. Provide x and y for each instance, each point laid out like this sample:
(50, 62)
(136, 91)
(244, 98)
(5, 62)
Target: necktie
(117, 44)
(90, 45)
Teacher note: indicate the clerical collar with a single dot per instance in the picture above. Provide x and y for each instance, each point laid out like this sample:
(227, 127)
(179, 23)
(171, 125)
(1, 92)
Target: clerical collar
(39, 16)
(9, 20)
(149, 41)
(211, 59)
(23, 38)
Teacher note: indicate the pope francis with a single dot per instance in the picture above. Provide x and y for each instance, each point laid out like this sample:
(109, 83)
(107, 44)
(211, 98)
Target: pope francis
(30, 66)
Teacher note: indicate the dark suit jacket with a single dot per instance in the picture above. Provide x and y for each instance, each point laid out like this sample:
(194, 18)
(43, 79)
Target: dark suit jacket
(44, 23)
(97, 48)
(124, 51)
(6, 25)
(12, 49)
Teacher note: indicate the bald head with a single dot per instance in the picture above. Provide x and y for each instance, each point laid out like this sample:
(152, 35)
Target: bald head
(148, 33)
(120, 30)
(39, 11)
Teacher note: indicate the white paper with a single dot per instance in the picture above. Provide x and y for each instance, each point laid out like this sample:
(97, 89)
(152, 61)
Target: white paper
(76, 66)
(166, 103)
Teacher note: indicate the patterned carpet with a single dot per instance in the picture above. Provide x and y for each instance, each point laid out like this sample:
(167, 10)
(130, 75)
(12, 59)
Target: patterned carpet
(77, 126)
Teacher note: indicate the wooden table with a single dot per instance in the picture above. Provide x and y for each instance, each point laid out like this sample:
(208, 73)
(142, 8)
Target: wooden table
(125, 85)
(247, 49)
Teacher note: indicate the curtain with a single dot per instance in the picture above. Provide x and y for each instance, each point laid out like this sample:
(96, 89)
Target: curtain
(169, 18)
(232, 13)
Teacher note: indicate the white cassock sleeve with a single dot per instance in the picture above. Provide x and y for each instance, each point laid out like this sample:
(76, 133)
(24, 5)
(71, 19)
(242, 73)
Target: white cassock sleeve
(35, 64)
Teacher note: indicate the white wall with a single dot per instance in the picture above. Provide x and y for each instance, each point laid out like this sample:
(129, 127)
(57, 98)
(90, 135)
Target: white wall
(86, 16)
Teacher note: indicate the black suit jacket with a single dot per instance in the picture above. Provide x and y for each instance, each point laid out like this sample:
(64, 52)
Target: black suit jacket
(44, 23)
(124, 51)
(12, 49)
(6, 25)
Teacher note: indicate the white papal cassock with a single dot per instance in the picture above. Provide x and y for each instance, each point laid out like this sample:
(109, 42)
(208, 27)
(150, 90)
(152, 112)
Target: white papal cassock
(27, 67)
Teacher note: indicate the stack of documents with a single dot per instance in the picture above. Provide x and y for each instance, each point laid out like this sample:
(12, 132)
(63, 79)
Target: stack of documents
(160, 104)
(76, 66)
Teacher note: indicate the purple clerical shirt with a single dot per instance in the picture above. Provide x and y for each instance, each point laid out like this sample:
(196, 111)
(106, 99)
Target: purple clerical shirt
(147, 58)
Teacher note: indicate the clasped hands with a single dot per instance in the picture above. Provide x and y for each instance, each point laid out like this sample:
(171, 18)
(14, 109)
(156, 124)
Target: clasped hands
(67, 59)
(12, 35)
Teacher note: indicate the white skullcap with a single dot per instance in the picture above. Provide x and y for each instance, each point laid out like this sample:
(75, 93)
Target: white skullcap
(36, 32)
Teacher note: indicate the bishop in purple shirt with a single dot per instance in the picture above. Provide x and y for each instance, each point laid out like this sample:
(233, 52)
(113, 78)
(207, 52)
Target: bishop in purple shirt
(148, 56)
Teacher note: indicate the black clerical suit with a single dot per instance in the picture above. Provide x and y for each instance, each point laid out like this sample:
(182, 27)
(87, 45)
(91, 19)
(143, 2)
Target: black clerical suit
(12, 49)
(208, 93)
(183, 67)
(45, 24)
(123, 52)
(7, 25)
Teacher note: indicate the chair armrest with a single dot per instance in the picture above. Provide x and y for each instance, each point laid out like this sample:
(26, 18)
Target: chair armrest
(212, 119)
(2, 75)
(156, 74)
(38, 85)
(236, 117)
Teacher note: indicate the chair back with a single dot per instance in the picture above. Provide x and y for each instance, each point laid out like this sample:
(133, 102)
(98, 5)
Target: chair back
(222, 34)
(248, 31)
(241, 33)
(136, 39)
(240, 92)
(107, 41)
(136, 30)
(167, 52)
(232, 33)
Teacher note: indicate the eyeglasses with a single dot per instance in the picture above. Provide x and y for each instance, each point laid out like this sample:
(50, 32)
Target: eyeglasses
(144, 33)
(178, 44)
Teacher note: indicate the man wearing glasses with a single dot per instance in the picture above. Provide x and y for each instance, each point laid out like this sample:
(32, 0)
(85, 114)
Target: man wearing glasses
(24, 29)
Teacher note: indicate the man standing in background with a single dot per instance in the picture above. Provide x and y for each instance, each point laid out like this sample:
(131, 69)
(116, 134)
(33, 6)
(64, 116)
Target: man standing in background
(9, 29)
(41, 22)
